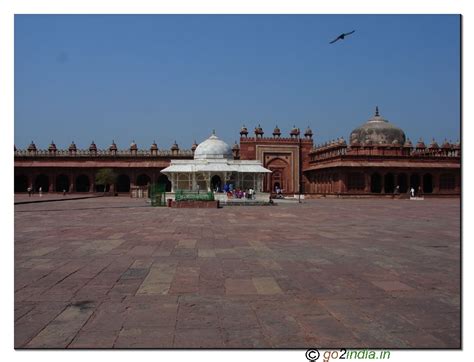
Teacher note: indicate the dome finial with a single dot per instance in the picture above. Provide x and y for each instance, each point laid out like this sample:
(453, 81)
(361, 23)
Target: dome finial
(377, 111)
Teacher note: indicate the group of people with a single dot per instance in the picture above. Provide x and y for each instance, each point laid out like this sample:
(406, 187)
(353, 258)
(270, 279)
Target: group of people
(31, 191)
(418, 193)
(40, 191)
(279, 192)
(236, 193)
(248, 194)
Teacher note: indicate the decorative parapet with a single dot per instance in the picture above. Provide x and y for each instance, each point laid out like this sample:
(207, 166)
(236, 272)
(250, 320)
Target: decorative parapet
(293, 140)
(102, 153)
(339, 147)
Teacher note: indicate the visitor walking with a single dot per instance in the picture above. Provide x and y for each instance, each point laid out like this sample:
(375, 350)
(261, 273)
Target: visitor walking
(40, 191)
(412, 192)
(29, 191)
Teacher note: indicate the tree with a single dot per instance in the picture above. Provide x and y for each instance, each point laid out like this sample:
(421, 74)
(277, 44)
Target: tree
(105, 176)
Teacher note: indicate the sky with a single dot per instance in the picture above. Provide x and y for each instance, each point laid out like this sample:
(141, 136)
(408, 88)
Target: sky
(169, 78)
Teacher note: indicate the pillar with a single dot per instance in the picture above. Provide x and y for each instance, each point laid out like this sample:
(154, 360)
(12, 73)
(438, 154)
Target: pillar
(436, 182)
(92, 182)
(52, 182)
(194, 187)
(457, 182)
(367, 182)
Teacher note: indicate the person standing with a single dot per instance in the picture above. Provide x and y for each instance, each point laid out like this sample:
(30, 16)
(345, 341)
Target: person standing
(40, 191)
(412, 192)
(29, 191)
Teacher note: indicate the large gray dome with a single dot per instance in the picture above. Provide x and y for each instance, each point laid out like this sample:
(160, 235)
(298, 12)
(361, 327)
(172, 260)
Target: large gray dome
(213, 148)
(378, 130)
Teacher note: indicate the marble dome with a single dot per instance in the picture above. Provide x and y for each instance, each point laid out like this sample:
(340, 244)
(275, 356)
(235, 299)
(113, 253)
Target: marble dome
(213, 148)
(378, 130)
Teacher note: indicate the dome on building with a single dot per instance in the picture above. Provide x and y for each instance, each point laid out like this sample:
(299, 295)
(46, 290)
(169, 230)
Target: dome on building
(72, 147)
(133, 146)
(377, 130)
(213, 148)
(154, 146)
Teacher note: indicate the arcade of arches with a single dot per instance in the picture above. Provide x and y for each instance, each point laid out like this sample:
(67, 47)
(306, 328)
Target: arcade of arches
(382, 182)
(83, 181)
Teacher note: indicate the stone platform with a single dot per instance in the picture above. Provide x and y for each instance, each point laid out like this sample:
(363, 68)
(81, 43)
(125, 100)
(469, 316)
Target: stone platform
(333, 273)
(195, 204)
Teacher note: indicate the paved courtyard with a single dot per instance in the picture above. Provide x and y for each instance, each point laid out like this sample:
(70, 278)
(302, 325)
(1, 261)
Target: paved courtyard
(113, 272)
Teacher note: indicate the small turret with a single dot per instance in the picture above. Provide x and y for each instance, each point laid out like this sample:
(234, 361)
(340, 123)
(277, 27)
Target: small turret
(259, 131)
(133, 148)
(93, 148)
(113, 148)
(420, 146)
(174, 149)
(72, 148)
(276, 132)
(295, 132)
(154, 149)
(434, 145)
(236, 150)
(244, 131)
(32, 147)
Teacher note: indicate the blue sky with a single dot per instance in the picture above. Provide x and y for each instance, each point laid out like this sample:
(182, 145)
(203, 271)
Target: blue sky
(177, 77)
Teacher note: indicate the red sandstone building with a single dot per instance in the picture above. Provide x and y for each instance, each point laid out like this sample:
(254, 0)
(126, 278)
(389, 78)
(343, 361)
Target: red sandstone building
(377, 159)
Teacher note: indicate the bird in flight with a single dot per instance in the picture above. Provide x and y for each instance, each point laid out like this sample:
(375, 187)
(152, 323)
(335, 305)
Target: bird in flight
(342, 36)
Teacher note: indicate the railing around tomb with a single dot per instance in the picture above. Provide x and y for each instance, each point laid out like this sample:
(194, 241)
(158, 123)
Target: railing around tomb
(183, 195)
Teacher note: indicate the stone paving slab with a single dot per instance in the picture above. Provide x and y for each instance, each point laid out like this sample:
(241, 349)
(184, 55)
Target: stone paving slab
(114, 273)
